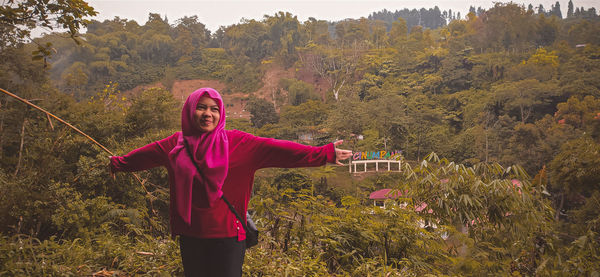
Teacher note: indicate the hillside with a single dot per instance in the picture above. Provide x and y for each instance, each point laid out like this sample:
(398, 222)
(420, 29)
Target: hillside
(498, 113)
(236, 101)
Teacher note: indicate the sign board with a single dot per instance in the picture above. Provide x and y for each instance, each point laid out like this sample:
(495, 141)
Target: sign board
(376, 155)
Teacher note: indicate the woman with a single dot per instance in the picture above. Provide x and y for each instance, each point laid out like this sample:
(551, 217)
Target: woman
(211, 237)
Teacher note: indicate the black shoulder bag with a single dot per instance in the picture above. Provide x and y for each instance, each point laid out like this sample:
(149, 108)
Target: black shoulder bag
(249, 227)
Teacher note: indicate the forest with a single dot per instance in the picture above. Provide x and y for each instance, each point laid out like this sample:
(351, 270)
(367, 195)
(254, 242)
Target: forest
(496, 112)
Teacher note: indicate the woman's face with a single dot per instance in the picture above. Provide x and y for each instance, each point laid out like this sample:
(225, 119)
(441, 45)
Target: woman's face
(207, 114)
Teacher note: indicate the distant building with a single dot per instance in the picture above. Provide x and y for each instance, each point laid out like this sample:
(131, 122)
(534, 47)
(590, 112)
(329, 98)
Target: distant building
(381, 195)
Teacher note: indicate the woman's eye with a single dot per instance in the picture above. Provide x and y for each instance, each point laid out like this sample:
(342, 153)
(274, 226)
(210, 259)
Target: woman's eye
(215, 109)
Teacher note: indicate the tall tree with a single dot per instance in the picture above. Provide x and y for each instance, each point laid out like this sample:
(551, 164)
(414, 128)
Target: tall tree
(262, 112)
(298, 91)
(556, 10)
(195, 31)
(508, 26)
(250, 39)
(547, 30)
(285, 36)
(304, 118)
(399, 32)
(541, 10)
(576, 169)
(336, 66)
(316, 31)
(570, 9)
(18, 18)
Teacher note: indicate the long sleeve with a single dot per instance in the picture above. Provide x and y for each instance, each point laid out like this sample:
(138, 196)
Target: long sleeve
(270, 152)
(146, 157)
(247, 153)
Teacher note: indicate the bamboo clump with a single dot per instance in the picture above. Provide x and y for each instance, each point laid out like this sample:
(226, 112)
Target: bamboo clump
(49, 114)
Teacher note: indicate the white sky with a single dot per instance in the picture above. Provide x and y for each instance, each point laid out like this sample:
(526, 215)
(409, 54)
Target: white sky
(223, 13)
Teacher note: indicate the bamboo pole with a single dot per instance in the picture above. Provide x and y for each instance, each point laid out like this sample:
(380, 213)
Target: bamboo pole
(49, 114)
(57, 118)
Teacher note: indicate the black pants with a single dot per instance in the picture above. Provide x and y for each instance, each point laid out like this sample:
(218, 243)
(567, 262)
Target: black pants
(212, 257)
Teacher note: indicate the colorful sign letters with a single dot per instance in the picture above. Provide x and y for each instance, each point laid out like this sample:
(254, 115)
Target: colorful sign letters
(378, 155)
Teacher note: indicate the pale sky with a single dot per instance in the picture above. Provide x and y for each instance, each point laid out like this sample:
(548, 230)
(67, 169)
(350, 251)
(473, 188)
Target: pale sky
(224, 13)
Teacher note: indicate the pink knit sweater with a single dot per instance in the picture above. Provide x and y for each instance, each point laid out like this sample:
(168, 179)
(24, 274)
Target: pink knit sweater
(247, 153)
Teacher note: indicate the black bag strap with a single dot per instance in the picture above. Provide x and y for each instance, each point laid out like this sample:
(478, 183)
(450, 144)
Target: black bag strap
(235, 213)
(187, 148)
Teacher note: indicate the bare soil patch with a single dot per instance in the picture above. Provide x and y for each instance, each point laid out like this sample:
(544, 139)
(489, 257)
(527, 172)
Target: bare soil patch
(235, 102)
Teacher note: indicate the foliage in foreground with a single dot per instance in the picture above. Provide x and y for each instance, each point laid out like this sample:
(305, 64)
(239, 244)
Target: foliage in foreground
(105, 253)
(464, 230)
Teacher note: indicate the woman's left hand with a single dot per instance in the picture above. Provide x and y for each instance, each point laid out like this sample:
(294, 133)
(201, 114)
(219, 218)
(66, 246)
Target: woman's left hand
(341, 154)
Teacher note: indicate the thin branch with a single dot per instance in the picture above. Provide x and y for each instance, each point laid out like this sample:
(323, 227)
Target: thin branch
(50, 121)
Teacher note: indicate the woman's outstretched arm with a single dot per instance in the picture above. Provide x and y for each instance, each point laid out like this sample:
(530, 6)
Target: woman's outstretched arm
(268, 152)
(146, 157)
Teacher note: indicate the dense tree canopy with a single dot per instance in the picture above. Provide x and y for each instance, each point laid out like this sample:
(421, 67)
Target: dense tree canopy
(17, 18)
(509, 97)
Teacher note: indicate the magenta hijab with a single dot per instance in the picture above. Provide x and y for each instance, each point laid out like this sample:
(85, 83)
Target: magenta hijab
(211, 153)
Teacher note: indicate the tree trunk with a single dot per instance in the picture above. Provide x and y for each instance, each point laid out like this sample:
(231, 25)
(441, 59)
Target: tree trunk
(385, 254)
(2, 126)
(560, 206)
(287, 236)
(21, 147)
(522, 114)
(274, 230)
(302, 232)
(336, 92)
(419, 147)
(385, 144)
(273, 97)
(486, 145)
(406, 147)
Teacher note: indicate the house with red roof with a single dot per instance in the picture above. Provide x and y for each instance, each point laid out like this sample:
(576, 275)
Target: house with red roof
(381, 195)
